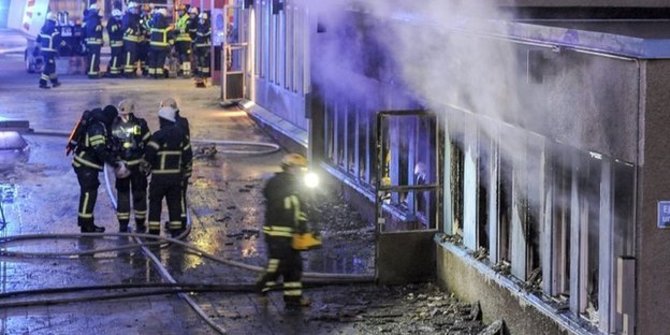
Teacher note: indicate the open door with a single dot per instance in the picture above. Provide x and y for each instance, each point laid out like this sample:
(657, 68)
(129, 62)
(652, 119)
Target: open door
(407, 199)
(235, 54)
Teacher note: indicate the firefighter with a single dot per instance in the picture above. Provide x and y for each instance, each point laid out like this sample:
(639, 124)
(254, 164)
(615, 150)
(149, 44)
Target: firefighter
(130, 134)
(115, 31)
(93, 39)
(133, 35)
(168, 155)
(203, 42)
(161, 42)
(183, 40)
(92, 152)
(182, 123)
(48, 41)
(143, 52)
(284, 216)
(193, 22)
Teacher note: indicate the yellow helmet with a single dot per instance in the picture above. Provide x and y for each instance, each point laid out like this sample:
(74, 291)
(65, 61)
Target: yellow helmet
(181, 7)
(294, 160)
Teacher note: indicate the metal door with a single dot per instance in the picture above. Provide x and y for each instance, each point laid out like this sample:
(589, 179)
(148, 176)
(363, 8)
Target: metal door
(408, 195)
(234, 54)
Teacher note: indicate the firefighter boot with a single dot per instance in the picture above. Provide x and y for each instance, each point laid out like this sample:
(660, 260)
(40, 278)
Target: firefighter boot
(90, 227)
(297, 302)
(140, 227)
(123, 227)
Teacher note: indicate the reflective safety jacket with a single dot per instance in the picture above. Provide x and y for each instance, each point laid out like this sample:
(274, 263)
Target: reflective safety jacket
(161, 34)
(132, 28)
(182, 29)
(193, 27)
(96, 149)
(168, 152)
(203, 37)
(92, 29)
(115, 31)
(284, 213)
(130, 138)
(49, 38)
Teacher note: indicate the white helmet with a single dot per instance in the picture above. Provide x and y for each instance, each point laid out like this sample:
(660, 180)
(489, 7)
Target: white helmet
(94, 7)
(203, 16)
(193, 10)
(132, 4)
(51, 16)
(162, 12)
(117, 12)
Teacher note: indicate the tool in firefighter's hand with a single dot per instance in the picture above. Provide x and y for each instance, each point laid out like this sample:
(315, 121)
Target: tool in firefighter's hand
(72, 139)
(121, 170)
(305, 241)
(145, 167)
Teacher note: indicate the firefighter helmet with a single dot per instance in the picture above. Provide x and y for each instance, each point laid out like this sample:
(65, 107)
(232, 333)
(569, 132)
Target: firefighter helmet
(126, 106)
(51, 16)
(147, 7)
(181, 7)
(193, 10)
(132, 4)
(294, 160)
(170, 102)
(162, 11)
(94, 7)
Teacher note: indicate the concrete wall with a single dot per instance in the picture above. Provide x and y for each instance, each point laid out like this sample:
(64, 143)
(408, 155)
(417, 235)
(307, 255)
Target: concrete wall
(497, 302)
(653, 185)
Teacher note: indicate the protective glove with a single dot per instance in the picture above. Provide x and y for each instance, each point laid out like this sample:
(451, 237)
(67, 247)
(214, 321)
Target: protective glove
(145, 167)
(121, 170)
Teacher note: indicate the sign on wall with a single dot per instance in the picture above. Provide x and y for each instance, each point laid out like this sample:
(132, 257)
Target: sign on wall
(663, 214)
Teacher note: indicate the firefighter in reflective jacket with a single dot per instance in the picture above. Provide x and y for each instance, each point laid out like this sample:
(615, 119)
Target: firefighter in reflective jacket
(93, 39)
(183, 40)
(130, 136)
(183, 124)
(168, 155)
(48, 40)
(284, 216)
(160, 44)
(133, 35)
(90, 157)
(203, 42)
(115, 31)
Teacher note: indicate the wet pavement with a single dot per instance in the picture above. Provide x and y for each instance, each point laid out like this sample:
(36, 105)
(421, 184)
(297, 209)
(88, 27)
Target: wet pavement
(39, 197)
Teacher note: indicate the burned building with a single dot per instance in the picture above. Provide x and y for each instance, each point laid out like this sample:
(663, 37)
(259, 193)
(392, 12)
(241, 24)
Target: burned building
(515, 156)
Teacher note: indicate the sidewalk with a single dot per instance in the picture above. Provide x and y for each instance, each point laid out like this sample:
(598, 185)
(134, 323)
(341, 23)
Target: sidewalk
(39, 196)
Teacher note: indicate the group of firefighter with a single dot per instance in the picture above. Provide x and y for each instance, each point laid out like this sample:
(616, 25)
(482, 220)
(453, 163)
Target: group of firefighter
(140, 40)
(115, 136)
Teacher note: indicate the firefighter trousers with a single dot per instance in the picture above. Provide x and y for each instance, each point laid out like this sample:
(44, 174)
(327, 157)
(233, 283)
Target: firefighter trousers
(135, 184)
(184, 51)
(167, 187)
(49, 70)
(116, 61)
(286, 262)
(88, 194)
(131, 56)
(157, 61)
(202, 60)
(184, 186)
(93, 60)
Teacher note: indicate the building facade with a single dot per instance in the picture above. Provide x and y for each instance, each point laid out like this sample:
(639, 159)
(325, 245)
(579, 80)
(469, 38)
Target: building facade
(515, 154)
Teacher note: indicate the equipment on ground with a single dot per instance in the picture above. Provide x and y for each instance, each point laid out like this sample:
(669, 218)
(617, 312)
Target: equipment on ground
(305, 241)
